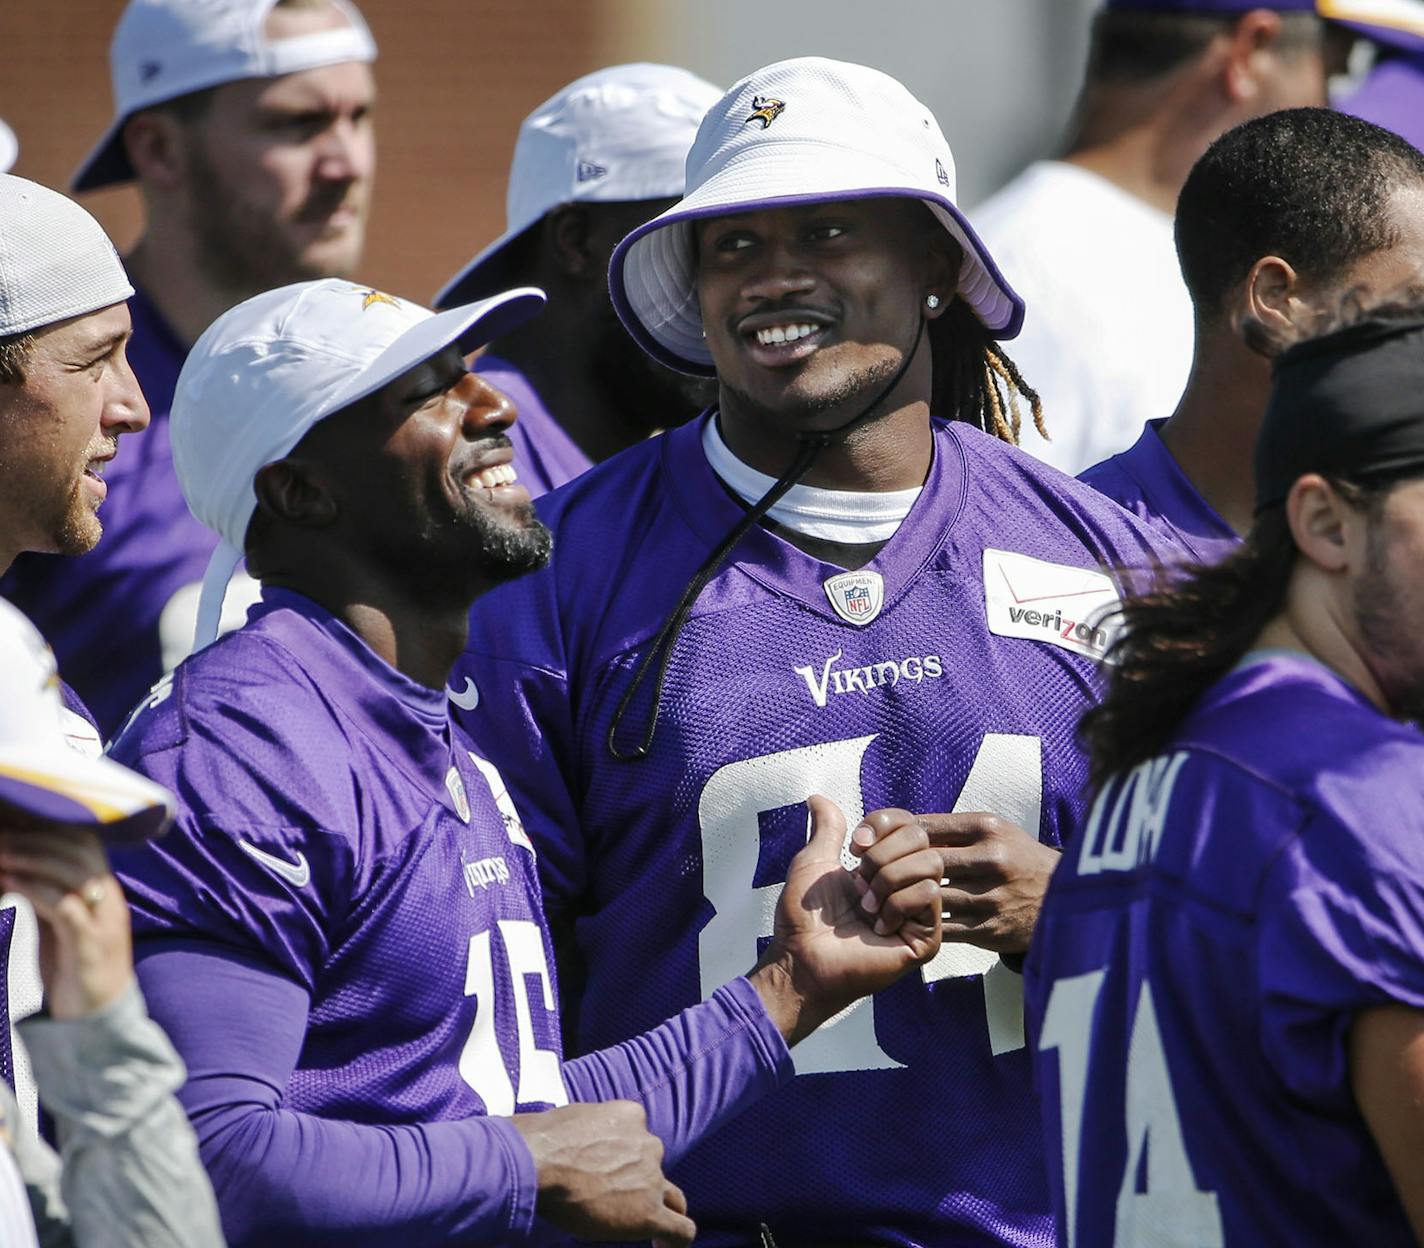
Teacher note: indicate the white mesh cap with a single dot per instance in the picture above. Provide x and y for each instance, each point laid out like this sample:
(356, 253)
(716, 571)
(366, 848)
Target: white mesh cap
(620, 134)
(163, 49)
(269, 369)
(40, 772)
(802, 131)
(55, 259)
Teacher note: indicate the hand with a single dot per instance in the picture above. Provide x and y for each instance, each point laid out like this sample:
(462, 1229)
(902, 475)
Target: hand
(600, 1174)
(830, 947)
(995, 875)
(86, 950)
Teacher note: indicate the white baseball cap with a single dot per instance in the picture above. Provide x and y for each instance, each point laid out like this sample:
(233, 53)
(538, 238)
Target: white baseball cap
(9, 148)
(163, 49)
(1397, 23)
(269, 369)
(55, 259)
(42, 774)
(620, 134)
(802, 131)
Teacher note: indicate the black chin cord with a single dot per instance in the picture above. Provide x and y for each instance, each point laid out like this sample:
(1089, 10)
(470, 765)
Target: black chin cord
(661, 650)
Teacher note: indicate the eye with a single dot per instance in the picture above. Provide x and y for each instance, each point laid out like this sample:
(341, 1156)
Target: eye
(826, 231)
(734, 240)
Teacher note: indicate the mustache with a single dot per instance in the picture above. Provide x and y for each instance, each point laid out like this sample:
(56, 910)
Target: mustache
(324, 201)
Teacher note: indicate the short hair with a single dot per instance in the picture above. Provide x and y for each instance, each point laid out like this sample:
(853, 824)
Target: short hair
(15, 352)
(1133, 48)
(1309, 185)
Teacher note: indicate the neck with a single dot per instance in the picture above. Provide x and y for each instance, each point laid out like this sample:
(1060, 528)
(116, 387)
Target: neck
(1314, 623)
(419, 635)
(1212, 434)
(1150, 154)
(165, 264)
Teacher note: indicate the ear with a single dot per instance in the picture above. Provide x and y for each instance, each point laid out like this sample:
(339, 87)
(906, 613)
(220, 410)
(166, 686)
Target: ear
(157, 148)
(941, 273)
(1270, 305)
(568, 232)
(1250, 43)
(1326, 529)
(292, 490)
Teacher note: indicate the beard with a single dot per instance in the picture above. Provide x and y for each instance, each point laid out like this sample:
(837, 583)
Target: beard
(1385, 627)
(509, 550)
(853, 391)
(242, 247)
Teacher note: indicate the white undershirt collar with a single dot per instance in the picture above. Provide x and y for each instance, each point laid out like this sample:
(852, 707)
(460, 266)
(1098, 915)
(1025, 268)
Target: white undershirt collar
(849, 516)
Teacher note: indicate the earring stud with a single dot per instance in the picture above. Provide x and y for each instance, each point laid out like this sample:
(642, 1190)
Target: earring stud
(931, 302)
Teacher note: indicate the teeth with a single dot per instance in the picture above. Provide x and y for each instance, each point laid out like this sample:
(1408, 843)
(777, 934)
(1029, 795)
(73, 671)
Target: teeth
(97, 467)
(500, 474)
(783, 333)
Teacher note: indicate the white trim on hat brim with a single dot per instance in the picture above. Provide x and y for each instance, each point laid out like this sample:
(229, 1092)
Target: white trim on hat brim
(98, 793)
(663, 314)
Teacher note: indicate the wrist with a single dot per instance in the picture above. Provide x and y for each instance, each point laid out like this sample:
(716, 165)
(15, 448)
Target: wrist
(793, 1006)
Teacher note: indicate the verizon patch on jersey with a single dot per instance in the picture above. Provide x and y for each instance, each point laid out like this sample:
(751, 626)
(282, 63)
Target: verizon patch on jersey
(1049, 602)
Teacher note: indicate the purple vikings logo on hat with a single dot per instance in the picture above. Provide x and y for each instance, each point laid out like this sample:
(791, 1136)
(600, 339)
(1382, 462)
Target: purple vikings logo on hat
(765, 110)
(856, 596)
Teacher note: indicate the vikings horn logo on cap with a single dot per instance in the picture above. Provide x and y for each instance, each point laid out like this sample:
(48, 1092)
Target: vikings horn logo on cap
(377, 296)
(765, 110)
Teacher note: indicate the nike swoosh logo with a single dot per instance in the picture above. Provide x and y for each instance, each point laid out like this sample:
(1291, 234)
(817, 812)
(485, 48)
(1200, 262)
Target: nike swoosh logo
(297, 873)
(466, 700)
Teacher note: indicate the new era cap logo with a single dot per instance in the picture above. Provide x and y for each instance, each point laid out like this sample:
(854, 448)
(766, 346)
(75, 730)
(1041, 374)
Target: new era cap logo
(1052, 603)
(765, 109)
(590, 172)
(940, 174)
(149, 70)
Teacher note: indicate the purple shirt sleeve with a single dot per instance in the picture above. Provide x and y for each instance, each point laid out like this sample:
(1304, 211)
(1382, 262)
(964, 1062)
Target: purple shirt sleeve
(1342, 931)
(693, 1073)
(290, 1178)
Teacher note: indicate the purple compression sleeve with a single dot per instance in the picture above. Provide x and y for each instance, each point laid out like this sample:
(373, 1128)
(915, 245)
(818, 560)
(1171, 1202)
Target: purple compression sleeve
(290, 1178)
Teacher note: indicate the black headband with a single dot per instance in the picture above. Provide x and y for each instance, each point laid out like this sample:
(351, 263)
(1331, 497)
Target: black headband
(1348, 405)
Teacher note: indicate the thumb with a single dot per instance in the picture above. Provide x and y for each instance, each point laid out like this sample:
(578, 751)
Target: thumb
(828, 828)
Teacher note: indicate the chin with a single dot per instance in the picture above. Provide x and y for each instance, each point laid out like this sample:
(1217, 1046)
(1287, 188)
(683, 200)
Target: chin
(332, 257)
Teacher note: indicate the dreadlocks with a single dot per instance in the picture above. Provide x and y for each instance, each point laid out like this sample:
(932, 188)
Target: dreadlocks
(974, 378)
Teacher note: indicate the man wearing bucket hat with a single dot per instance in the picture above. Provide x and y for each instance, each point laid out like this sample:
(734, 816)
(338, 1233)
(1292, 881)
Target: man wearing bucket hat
(913, 626)
(1284, 218)
(1089, 237)
(602, 156)
(344, 930)
(246, 127)
(128, 1173)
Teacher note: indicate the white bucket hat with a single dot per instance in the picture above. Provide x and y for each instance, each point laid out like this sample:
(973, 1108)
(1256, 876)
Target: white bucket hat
(269, 369)
(620, 134)
(163, 49)
(40, 772)
(802, 131)
(55, 259)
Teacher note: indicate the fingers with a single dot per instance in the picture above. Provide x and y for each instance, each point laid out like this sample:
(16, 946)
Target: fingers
(673, 1227)
(967, 828)
(828, 828)
(917, 903)
(877, 825)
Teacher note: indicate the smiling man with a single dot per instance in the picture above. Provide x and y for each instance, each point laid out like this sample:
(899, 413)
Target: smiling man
(246, 126)
(911, 625)
(344, 931)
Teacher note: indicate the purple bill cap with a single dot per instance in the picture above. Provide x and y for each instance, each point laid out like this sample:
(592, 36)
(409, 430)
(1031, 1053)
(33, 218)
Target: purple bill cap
(1392, 96)
(798, 132)
(1208, 7)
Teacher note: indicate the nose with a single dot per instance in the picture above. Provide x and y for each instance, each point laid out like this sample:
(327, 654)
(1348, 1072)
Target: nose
(125, 408)
(345, 152)
(487, 410)
(779, 272)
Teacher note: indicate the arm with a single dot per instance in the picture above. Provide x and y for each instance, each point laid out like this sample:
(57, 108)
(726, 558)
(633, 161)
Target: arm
(285, 1177)
(1387, 1075)
(129, 1172)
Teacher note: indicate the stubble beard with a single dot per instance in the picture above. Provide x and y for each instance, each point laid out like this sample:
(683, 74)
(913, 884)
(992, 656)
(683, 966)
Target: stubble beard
(850, 393)
(1383, 624)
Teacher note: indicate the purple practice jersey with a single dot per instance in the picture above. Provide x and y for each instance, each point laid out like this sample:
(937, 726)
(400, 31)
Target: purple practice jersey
(114, 615)
(1229, 909)
(1149, 482)
(544, 455)
(948, 674)
(353, 874)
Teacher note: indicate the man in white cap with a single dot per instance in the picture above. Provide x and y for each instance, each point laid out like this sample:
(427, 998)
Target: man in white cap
(246, 127)
(1089, 236)
(128, 1174)
(344, 931)
(914, 625)
(596, 160)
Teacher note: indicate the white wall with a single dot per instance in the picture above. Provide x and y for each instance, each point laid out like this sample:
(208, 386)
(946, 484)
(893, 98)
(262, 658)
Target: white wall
(1001, 75)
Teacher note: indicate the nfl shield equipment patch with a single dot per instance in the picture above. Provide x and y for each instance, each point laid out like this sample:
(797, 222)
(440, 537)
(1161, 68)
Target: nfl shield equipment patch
(856, 596)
